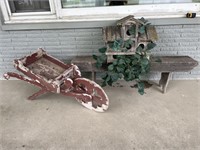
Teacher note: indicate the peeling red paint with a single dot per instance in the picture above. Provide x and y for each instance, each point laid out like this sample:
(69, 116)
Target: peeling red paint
(52, 75)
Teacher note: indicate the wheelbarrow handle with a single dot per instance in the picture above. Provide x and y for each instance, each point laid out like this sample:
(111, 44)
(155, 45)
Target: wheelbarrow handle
(21, 77)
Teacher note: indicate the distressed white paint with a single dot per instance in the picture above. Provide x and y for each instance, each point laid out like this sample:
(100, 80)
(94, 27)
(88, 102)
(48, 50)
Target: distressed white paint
(40, 52)
(37, 81)
(98, 109)
(77, 70)
(95, 86)
(98, 86)
(67, 72)
(27, 78)
(6, 76)
(22, 67)
(105, 107)
(57, 84)
(59, 14)
(70, 80)
(71, 87)
(89, 104)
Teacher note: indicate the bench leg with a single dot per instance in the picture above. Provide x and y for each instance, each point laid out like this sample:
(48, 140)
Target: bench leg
(164, 81)
(35, 95)
(94, 76)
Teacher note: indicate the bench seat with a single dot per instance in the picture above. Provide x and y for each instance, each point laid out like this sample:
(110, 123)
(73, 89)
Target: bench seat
(164, 64)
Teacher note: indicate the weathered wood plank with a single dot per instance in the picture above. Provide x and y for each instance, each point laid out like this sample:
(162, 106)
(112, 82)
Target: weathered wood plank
(124, 21)
(173, 63)
(111, 33)
(164, 81)
(151, 33)
(164, 64)
(161, 64)
(86, 64)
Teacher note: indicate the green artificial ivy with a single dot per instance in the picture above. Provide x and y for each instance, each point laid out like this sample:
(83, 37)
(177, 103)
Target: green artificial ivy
(127, 67)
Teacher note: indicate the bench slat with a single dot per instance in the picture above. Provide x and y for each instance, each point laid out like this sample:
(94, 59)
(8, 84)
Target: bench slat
(173, 63)
(160, 64)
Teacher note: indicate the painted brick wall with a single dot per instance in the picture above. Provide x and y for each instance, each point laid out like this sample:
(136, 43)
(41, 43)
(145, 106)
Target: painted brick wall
(68, 43)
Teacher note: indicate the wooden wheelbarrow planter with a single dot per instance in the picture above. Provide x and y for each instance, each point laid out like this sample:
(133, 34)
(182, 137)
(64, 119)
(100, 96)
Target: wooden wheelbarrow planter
(52, 75)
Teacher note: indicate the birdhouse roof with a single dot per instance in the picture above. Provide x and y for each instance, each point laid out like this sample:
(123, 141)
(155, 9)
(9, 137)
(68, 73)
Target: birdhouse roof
(125, 20)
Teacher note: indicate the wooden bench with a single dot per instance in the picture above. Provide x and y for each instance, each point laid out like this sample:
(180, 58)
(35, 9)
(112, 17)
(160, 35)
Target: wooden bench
(164, 64)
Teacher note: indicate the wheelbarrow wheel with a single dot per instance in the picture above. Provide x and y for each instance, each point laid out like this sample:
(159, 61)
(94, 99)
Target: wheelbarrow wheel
(99, 100)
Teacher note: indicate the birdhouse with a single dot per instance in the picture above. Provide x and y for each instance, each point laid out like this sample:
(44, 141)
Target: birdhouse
(127, 35)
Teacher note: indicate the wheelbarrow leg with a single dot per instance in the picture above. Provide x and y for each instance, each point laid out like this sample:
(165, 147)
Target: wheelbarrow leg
(35, 95)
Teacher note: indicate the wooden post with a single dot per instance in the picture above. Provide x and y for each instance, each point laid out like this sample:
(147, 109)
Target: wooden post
(164, 81)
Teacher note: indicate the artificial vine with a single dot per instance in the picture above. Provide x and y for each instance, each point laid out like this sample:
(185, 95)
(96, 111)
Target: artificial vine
(128, 67)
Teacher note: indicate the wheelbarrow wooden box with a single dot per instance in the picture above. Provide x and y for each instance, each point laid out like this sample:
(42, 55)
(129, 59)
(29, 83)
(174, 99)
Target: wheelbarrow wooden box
(52, 75)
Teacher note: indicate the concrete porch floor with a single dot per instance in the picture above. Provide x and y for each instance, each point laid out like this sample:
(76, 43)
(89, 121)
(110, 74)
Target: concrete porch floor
(154, 121)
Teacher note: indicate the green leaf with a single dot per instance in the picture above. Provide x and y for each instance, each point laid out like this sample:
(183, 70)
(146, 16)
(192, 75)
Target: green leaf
(110, 82)
(142, 70)
(142, 30)
(128, 44)
(145, 61)
(139, 49)
(131, 30)
(102, 50)
(120, 69)
(111, 67)
(127, 60)
(140, 86)
(104, 75)
(133, 76)
(143, 20)
(134, 62)
(121, 61)
(114, 77)
(103, 58)
(129, 76)
(99, 62)
(115, 62)
(118, 57)
(95, 57)
(127, 71)
(140, 77)
(150, 46)
(137, 56)
(117, 44)
(98, 65)
(103, 84)
(120, 75)
(108, 78)
(141, 91)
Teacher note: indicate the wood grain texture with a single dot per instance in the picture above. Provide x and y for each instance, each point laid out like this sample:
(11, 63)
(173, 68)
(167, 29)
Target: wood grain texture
(173, 63)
